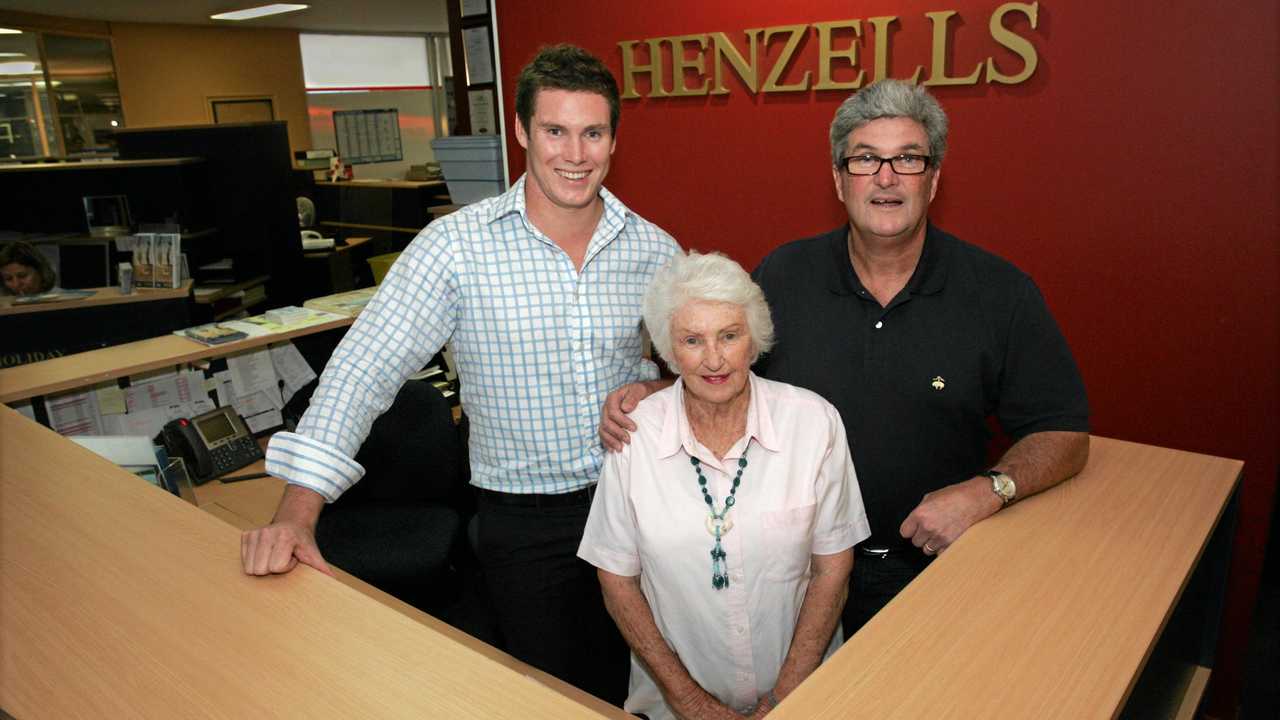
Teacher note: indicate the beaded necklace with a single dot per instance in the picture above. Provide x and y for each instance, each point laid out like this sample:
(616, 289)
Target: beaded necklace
(718, 523)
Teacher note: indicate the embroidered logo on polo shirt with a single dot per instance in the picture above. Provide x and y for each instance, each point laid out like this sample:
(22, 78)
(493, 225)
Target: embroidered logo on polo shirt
(938, 382)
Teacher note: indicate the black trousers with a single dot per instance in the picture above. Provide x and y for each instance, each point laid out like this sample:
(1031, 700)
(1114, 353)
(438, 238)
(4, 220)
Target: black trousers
(548, 601)
(877, 580)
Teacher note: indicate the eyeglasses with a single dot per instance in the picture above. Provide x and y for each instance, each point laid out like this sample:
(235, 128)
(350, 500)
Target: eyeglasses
(871, 164)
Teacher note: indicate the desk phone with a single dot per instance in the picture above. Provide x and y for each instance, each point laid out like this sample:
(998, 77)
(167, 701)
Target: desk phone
(214, 443)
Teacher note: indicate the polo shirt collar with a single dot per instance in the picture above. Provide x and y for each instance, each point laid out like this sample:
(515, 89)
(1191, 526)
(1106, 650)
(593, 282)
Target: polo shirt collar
(931, 272)
(928, 278)
(677, 434)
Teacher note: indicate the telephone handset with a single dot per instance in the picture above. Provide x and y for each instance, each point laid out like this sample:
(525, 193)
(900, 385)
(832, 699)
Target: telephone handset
(312, 240)
(214, 443)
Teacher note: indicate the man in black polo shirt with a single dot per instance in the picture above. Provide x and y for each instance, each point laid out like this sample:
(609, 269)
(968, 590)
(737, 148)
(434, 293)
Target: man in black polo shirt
(917, 338)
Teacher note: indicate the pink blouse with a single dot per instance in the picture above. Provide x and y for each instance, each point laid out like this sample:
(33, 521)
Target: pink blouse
(798, 497)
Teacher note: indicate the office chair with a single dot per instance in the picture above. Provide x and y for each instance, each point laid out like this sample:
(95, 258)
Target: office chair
(400, 528)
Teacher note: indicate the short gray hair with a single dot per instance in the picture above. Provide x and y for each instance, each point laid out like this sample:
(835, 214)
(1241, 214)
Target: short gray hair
(711, 278)
(890, 99)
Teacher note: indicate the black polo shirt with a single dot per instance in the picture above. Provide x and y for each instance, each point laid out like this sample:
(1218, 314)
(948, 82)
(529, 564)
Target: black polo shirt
(968, 337)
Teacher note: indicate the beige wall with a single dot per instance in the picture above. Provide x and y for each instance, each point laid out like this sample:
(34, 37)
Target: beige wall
(167, 73)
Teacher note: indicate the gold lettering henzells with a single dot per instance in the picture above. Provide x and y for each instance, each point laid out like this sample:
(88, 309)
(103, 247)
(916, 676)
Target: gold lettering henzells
(751, 56)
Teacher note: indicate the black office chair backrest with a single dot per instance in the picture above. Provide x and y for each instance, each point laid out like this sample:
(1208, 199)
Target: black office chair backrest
(414, 451)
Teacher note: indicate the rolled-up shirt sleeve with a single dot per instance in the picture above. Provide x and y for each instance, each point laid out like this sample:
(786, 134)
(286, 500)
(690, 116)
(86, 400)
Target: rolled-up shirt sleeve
(409, 319)
(841, 520)
(609, 540)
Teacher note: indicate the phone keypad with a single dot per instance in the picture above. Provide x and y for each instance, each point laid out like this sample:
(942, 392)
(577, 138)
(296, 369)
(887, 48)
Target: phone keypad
(235, 455)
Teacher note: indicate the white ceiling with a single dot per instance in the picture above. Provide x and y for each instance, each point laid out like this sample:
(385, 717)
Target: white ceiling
(405, 16)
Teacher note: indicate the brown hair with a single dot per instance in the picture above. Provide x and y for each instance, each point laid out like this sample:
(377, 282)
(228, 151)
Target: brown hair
(23, 253)
(566, 67)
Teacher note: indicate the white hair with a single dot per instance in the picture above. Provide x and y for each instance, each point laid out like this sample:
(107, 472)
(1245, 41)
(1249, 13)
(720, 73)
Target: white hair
(710, 278)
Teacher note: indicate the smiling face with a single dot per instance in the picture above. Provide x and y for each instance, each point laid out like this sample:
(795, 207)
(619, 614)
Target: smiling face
(21, 279)
(887, 206)
(569, 145)
(712, 346)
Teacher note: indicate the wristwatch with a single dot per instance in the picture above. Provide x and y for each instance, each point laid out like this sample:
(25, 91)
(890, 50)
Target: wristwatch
(1002, 485)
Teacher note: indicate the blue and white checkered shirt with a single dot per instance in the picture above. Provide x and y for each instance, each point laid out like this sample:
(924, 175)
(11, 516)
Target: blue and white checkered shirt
(538, 347)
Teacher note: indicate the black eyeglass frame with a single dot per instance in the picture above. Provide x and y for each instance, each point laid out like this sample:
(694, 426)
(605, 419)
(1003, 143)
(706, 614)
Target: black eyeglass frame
(928, 163)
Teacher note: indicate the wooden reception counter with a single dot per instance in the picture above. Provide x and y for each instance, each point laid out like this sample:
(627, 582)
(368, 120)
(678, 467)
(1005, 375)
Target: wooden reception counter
(119, 600)
(1049, 609)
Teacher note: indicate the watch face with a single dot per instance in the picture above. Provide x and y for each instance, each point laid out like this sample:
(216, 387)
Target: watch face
(1003, 486)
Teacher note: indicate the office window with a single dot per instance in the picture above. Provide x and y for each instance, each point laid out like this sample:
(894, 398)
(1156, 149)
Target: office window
(58, 96)
(26, 121)
(364, 62)
(377, 72)
(82, 74)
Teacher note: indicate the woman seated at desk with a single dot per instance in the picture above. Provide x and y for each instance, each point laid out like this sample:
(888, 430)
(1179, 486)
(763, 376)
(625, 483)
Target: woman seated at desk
(24, 270)
(723, 532)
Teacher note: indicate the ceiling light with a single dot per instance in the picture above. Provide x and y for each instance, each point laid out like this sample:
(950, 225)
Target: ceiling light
(17, 68)
(9, 54)
(10, 31)
(257, 12)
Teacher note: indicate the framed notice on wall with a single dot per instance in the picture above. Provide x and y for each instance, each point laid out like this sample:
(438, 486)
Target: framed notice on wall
(483, 119)
(241, 109)
(479, 58)
(368, 136)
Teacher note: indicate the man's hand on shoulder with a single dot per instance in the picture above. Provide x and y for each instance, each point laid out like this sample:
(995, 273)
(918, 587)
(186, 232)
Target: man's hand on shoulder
(615, 426)
(289, 539)
(943, 515)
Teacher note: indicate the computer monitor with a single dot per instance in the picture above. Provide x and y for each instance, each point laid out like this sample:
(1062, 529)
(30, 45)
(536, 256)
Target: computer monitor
(107, 215)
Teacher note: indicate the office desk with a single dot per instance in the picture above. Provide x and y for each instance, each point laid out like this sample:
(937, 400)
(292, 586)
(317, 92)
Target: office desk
(350, 244)
(90, 368)
(45, 330)
(368, 226)
(1048, 609)
(391, 206)
(120, 600)
(340, 269)
(101, 297)
(218, 302)
(440, 211)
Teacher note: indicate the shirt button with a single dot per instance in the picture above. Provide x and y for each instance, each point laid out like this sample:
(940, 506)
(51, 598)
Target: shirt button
(740, 629)
(879, 324)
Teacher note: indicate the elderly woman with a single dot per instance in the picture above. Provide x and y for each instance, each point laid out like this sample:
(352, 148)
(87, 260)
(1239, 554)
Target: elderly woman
(723, 532)
(24, 269)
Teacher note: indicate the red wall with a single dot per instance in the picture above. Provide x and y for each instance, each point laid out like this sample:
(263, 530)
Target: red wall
(1135, 176)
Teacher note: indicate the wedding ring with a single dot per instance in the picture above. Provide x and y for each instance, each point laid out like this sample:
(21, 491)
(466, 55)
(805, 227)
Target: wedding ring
(929, 549)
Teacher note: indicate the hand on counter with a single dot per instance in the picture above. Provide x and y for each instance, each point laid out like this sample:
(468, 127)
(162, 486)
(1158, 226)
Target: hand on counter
(289, 539)
(943, 515)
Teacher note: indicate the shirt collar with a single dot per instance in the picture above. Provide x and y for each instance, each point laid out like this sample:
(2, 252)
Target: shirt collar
(612, 221)
(928, 278)
(510, 202)
(677, 434)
